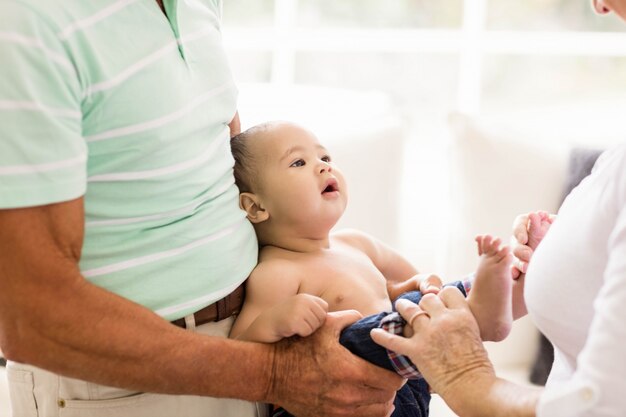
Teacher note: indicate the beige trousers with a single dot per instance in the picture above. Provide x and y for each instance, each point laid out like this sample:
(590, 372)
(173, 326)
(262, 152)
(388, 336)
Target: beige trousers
(38, 393)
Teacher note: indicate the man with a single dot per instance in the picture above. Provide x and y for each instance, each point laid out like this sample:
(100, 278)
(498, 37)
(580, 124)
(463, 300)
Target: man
(119, 215)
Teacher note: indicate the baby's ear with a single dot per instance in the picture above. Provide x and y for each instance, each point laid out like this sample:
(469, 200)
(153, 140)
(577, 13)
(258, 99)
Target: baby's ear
(251, 204)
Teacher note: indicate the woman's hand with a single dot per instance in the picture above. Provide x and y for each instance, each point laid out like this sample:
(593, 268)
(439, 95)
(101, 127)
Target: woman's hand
(528, 231)
(445, 346)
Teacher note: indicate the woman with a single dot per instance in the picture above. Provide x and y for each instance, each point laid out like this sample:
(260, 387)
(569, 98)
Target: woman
(575, 291)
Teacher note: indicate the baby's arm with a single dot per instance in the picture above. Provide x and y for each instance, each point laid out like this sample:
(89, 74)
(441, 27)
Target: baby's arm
(273, 309)
(401, 276)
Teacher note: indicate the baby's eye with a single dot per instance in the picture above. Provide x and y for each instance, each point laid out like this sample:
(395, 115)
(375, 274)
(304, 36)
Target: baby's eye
(326, 158)
(298, 163)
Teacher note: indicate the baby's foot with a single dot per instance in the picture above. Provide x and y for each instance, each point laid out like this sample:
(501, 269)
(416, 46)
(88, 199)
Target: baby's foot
(539, 223)
(490, 296)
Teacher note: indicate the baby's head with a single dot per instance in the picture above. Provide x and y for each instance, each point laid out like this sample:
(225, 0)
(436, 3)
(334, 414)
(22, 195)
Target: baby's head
(287, 180)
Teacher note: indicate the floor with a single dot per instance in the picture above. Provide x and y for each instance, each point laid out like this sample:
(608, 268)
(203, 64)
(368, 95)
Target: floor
(438, 407)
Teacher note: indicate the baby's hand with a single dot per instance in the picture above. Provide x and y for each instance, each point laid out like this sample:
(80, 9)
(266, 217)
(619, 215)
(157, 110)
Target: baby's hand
(301, 315)
(426, 283)
(429, 283)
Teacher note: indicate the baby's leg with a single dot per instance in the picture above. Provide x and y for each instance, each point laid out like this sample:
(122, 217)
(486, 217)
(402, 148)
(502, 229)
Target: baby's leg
(490, 297)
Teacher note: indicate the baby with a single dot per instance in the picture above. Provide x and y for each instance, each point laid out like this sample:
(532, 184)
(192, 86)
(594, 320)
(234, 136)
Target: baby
(294, 194)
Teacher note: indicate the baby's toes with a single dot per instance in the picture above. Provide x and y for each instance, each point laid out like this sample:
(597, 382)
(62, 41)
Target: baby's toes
(479, 244)
(486, 244)
(494, 247)
(504, 255)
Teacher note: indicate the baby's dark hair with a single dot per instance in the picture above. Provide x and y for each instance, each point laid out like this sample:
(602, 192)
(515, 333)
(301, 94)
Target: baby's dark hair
(245, 162)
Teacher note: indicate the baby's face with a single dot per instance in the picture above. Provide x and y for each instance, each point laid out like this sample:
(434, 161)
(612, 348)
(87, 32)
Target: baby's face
(298, 180)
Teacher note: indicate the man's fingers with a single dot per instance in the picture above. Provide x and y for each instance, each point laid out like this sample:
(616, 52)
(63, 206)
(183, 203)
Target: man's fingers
(375, 410)
(342, 319)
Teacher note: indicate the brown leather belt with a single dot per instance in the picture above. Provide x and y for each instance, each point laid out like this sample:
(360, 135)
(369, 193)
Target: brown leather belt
(219, 310)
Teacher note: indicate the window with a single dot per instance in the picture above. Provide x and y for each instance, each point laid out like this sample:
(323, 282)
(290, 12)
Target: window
(456, 55)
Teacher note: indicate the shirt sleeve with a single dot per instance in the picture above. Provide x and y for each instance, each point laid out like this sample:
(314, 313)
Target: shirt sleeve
(42, 152)
(598, 387)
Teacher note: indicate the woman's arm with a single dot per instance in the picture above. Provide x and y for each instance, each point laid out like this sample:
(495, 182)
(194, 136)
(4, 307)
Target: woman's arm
(447, 349)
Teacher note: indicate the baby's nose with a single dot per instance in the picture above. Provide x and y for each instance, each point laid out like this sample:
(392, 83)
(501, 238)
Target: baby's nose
(325, 168)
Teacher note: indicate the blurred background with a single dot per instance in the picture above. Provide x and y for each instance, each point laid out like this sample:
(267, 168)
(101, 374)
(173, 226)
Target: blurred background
(448, 118)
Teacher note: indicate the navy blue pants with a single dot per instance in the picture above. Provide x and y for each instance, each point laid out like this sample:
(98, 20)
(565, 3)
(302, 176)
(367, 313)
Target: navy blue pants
(413, 398)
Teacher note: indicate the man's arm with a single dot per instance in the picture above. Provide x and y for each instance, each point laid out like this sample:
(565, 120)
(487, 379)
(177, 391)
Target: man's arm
(51, 317)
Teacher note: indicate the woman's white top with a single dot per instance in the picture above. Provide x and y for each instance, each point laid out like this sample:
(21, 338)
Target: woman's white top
(576, 295)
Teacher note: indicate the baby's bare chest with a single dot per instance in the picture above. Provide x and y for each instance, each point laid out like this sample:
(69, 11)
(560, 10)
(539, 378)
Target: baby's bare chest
(346, 280)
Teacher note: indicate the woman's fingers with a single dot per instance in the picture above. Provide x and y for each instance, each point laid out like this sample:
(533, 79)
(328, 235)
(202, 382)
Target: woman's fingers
(414, 315)
(520, 229)
(452, 298)
(392, 342)
(432, 304)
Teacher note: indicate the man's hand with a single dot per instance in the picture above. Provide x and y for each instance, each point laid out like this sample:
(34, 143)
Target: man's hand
(317, 377)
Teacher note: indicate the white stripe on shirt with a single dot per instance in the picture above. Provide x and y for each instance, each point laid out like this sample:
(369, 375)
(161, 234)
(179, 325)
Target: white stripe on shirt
(155, 257)
(20, 39)
(185, 211)
(160, 121)
(152, 173)
(93, 19)
(34, 168)
(33, 106)
(144, 62)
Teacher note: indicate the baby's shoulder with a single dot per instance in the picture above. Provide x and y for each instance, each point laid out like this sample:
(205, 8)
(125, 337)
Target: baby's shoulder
(273, 263)
(356, 239)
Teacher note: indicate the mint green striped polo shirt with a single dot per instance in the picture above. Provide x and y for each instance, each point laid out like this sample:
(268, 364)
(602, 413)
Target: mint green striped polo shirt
(113, 100)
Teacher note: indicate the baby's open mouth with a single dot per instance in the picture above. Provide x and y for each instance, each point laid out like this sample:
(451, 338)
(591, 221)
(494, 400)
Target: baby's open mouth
(331, 186)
